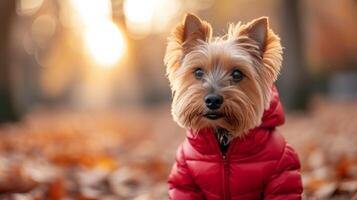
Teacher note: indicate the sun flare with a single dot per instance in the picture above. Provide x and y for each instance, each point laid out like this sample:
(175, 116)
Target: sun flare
(102, 37)
(105, 43)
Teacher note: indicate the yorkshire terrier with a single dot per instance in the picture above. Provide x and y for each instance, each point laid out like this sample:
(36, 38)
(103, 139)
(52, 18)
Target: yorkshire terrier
(224, 95)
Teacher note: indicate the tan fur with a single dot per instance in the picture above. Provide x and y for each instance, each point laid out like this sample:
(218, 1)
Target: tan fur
(244, 102)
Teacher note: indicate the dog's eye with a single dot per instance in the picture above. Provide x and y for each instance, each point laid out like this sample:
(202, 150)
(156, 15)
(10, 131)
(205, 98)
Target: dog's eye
(237, 75)
(198, 73)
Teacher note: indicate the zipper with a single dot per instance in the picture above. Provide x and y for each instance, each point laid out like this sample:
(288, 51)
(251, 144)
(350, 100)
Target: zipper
(226, 193)
(225, 162)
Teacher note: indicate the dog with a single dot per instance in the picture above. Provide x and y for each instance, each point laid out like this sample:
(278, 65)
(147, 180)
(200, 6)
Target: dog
(224, 96)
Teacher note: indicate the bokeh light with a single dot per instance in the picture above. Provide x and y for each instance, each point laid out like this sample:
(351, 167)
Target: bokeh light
(139, 11)
(143, 17)
(102, 37)
(42, 29)
(105, 43)
(28, 7)
(139, 15)
(89, 12)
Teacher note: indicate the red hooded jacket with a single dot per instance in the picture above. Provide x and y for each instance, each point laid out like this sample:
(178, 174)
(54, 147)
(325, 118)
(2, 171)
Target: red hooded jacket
(260, 165)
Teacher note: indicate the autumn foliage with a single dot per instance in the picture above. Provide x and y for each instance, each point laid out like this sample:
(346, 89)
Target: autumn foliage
(117, 155)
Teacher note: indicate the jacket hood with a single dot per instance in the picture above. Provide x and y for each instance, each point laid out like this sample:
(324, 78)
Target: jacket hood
(274, 115)
(204, 140)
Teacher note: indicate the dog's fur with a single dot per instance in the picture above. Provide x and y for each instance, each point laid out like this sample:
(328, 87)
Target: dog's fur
(252, 48)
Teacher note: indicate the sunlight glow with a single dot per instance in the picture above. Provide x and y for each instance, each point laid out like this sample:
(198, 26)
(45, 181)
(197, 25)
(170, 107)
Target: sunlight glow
(102, 37)
(91, 12)
(145, 16)
(105, 43)
(139, 14)
(140, 11)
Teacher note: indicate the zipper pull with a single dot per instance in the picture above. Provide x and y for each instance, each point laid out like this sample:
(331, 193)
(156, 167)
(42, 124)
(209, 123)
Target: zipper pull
(224, 157)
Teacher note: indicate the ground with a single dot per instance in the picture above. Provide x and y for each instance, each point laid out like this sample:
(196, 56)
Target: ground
(127, 154)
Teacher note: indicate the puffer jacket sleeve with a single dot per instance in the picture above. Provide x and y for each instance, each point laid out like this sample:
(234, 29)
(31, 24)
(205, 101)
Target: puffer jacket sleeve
(181, 184)
(285, 182)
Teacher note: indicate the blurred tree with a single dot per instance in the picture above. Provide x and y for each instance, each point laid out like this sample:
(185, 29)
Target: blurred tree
(293, 84)
(7, 11)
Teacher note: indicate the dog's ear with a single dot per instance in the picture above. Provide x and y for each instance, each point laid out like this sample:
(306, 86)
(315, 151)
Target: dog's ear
(183, 38)
(259, 40)
(195, 29)
(257, 30)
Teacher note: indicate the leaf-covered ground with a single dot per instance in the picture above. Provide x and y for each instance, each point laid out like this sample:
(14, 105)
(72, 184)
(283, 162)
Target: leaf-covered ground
(58, 154)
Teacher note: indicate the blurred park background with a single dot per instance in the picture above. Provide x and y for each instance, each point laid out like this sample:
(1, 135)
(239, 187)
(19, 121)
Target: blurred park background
(85, 104)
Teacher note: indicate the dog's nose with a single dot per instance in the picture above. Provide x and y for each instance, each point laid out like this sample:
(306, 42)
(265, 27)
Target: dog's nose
(213, 101)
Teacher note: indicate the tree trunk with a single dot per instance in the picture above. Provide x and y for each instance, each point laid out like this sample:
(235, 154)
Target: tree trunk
(293, 83)
(7, 12)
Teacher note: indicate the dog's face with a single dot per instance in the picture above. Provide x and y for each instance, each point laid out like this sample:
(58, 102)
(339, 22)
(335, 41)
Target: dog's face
(222, 82)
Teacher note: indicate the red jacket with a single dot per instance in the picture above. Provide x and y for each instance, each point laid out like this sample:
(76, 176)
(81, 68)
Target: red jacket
(259, 166)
